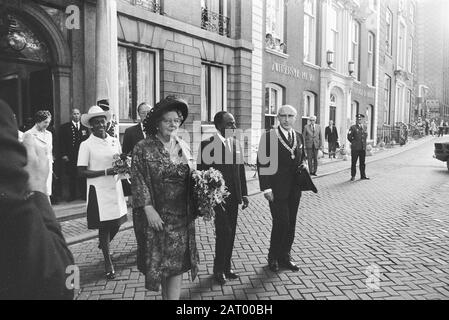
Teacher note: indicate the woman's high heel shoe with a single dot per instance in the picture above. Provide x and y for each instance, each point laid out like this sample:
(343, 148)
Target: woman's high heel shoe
(110, 275)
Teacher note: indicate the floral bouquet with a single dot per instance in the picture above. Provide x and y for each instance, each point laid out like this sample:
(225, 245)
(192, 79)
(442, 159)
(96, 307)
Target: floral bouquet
(121, 163)
(209, 191)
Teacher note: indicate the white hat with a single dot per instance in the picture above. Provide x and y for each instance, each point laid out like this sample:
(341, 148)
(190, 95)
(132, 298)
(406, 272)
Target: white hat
(94, 111)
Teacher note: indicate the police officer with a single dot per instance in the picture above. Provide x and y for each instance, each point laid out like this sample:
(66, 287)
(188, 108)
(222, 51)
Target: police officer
(357, 136)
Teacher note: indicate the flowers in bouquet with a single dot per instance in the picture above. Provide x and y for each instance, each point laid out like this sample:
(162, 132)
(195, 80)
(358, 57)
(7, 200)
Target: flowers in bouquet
(209, 191)
(121, 163)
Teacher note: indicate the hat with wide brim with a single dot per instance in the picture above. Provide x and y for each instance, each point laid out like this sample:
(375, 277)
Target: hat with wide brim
(166, 105)
(95, 111)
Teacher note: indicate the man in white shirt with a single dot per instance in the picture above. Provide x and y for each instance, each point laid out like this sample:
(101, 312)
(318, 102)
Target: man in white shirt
(71, 135)
(313, 141)
(281, 154)
(136, 133)
(223, 153)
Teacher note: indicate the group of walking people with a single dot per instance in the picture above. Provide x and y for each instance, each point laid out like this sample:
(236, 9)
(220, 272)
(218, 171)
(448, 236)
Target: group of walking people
(163, 207)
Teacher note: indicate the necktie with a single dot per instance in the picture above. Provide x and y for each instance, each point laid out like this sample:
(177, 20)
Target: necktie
(290, 138)
(313, 129)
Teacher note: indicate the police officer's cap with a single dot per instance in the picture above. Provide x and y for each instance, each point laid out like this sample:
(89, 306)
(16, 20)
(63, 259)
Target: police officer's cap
(360, 116)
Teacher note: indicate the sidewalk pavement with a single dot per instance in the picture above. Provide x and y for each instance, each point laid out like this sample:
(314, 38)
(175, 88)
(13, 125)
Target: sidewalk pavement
(72, 217)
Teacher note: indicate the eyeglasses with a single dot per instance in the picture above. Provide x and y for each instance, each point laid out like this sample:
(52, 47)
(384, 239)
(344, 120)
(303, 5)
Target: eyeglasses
(175, 121)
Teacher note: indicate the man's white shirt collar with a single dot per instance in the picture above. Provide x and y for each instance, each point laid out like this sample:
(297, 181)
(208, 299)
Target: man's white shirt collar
(76, 124)
(285, 132)
(223, 139)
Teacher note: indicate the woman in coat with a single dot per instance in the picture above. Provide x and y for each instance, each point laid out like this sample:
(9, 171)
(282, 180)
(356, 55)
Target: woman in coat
(106, 205)
(44, 139)
(162, 201)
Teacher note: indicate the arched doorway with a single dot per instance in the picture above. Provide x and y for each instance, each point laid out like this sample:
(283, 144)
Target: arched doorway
(35, 66)
(25, 72)
(35, 63)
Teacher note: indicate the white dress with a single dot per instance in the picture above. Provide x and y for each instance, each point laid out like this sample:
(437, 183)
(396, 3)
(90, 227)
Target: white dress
(45, 139)
(97, 154)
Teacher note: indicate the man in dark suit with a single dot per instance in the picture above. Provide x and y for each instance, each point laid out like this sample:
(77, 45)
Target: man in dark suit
(222, 152)
(34, 254)
(313, 141)
(281, 153)
(72, 134)
(135, 133)
(357, 136)
(331, 135)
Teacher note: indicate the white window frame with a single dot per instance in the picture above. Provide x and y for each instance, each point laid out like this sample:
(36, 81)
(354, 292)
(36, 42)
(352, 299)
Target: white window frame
(308, 107)
(214, 6)
(280, 91)
(278, 19)
(401, 60)
(157, 90)
(410, 55)
(204, 95)
(371, 59)
(387, 98)
(399, 102)
(355, 47)
(355, 108)
(334, 34)
(412, 12)
(310, 27)
(389, 24)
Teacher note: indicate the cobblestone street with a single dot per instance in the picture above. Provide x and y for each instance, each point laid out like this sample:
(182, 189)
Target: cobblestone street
(385, 238)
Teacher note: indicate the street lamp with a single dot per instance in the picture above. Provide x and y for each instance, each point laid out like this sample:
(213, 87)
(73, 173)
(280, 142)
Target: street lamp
(330, 57)
(351, 67)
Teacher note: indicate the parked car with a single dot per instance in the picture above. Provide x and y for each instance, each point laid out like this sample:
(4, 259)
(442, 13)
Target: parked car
(442, 152)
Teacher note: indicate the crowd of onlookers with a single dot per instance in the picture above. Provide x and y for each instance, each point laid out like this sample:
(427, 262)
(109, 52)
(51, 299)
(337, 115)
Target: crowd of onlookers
(432, 127)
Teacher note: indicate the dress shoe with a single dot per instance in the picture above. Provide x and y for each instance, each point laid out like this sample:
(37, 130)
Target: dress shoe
(289, 265)
(273, 265)
(220, 278)
(352, 178)
(364, 178)
(231, 275)
(110, 275)
(313, 174)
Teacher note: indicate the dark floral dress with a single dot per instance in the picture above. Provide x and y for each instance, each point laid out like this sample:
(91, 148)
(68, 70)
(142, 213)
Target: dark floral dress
(165, 185)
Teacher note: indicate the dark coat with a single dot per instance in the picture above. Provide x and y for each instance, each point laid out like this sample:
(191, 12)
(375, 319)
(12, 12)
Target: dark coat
(132, 135)
(331, 134)
(34, 254)
(70, 141)
(357, 136)
(277, 170)
(214, 154)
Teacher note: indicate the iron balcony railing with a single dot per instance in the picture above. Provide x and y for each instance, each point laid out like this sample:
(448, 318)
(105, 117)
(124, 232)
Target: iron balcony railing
(215, 22)
(150, 5)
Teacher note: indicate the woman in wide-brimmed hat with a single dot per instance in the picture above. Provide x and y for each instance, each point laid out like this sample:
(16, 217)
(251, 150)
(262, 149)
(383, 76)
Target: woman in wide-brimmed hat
(164, 222)
(106, 205)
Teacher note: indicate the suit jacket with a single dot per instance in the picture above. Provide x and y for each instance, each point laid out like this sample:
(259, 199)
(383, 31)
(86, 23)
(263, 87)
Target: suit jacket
(357, 136)
(331, 134)
(132, 135)
(313, 137)
(213, 153)
(277, 170)
(70, 142)
(34, 254)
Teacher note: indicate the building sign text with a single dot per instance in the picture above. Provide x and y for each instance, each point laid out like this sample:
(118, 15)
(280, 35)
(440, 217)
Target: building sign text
(292, 71)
